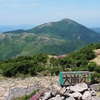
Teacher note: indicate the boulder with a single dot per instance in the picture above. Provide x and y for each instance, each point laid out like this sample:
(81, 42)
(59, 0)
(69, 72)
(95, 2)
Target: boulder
(46, 95)
(76, 95)
(95, 98)
(70, 98)
(79, 87)
(95, 87)
(57, 97)
(93, 92)
(87, 96)
(54, 89)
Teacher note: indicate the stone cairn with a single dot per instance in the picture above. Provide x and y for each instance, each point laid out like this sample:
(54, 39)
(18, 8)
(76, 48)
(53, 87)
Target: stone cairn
(77, 92)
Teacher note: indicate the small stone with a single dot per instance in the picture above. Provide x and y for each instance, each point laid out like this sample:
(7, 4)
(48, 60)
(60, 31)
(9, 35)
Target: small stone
(63, 90)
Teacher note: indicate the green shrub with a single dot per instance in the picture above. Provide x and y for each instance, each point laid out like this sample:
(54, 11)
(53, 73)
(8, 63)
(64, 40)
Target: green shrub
(95, 77)
(85, 68)
(32, 72)
(97, 69)
(55, 70)
(92, 66)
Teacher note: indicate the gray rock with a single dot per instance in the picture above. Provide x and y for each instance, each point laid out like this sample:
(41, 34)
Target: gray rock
(79, 87)
(46, 95)
(19, 92)
(93, 92)
(70, 98)
(95, 87)
(54, 89)
(76, 95)
(57, 98)
(87, 96)
(63, 90)
(95, 98)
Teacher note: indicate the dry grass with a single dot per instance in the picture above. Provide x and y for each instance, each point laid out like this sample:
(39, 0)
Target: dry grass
(97, 59)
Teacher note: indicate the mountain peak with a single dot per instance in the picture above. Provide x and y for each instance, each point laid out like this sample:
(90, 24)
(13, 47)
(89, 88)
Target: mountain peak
(66, 19)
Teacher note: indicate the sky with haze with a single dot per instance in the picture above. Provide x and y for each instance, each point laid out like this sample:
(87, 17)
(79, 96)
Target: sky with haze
(36, 12)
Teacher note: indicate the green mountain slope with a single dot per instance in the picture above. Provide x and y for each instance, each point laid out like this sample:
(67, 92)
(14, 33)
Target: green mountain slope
(67, 29)
(12, 45)
(60, 37)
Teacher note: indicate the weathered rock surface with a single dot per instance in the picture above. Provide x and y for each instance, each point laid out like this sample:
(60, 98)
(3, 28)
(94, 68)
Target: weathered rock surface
(76, 95)
(46, 95)
(57, 97)
(86, 95)
(18, 87)
(70, 98)
(79, 87)
(96, 87)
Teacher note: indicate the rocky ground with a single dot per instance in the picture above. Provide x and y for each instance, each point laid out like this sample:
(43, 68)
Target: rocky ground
(18, 87)
(10, 88)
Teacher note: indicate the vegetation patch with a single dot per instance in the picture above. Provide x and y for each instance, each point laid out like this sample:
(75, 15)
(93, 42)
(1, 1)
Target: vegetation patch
(42, 64)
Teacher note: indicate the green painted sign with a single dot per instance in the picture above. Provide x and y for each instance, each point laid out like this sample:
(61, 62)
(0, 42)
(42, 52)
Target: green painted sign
(72, 78)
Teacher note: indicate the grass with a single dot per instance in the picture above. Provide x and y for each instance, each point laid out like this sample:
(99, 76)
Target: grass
(2, 78)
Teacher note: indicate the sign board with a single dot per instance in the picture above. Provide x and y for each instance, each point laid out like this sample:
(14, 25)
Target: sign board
(72, 78)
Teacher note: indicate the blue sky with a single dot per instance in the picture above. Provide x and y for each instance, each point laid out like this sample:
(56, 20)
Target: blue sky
(36, 12)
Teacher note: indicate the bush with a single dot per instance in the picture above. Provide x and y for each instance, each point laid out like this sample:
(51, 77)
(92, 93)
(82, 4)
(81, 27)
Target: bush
(39, 68)
(32, 72)
(92, 66)
(97, 69)
(55, 70)
(95, 77)
(85, 68)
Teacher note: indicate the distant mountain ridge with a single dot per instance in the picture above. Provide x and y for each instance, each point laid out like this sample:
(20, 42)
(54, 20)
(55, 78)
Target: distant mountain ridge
(96, 29)
(64, 36)
(6, 28)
